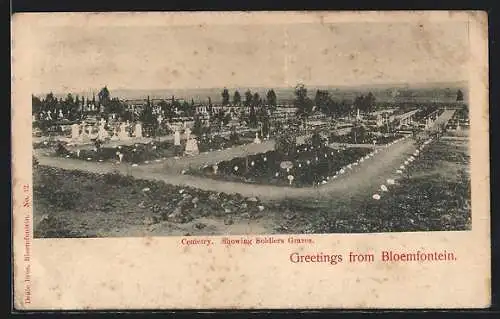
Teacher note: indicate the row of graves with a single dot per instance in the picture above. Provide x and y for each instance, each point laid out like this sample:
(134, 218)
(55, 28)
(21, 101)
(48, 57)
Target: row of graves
(459, 121)
(311, 164)
(364, 135)
(126, 146)
(362, 130)
(122, 132)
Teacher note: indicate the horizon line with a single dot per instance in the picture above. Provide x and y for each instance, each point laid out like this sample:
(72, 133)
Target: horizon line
(407, 85)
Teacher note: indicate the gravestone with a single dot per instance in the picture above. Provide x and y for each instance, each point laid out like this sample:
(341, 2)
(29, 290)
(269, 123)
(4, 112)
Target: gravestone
(187, 133)
(90, 129)
(192, 147)
(75, 131)
(257, 139)
(102, 133)
(138, 130)
(177, 138)
(123, 133)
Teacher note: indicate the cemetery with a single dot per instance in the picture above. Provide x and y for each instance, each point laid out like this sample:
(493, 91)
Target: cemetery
(433, 195)
(135, 153)
(305, 167)
(362, 135)
(99, 144)
(459, 121)
(241, 163)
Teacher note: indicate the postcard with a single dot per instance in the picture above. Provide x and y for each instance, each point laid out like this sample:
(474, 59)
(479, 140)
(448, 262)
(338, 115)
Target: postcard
(250, 160)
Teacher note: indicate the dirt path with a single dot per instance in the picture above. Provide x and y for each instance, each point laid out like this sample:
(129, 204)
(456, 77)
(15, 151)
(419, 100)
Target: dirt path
(362, 177)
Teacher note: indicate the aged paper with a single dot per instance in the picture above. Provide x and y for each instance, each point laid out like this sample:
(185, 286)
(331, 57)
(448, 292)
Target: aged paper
(250, 160)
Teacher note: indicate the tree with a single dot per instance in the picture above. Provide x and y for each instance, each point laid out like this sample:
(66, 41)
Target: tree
(227, 118)
(71, 106)
(266, 127)
(252, 117)
(369, 102)
(234, 137)
(197, 126)
(176, 105)
(358, 133)
(115, 106)
(303, 104)
(187, 109)
(322, 101)
(210, 107)
(365, 103)
(460, 96)
(146, 115)
(104, 96)
(248, 98)
(316, 140)
(50, 102)
(36, 104)
(236, 98)
(271, 99)
(256, 100)
(358, 102)
(286, 143)
(225, 97)
(166, 109)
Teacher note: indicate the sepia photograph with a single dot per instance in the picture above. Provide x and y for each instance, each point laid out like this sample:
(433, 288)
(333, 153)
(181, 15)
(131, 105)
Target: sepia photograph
(306, 129)
(250, 160)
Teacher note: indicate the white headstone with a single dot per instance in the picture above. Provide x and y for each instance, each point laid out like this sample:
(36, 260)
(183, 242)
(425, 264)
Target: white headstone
(192, 147)
(138, 130)
(177, 138)
(123, 133)
(75, 131)
(257, 139)
(102, 134)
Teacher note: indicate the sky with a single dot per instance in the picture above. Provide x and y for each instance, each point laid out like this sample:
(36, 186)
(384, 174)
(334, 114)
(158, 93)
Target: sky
(86, 57)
